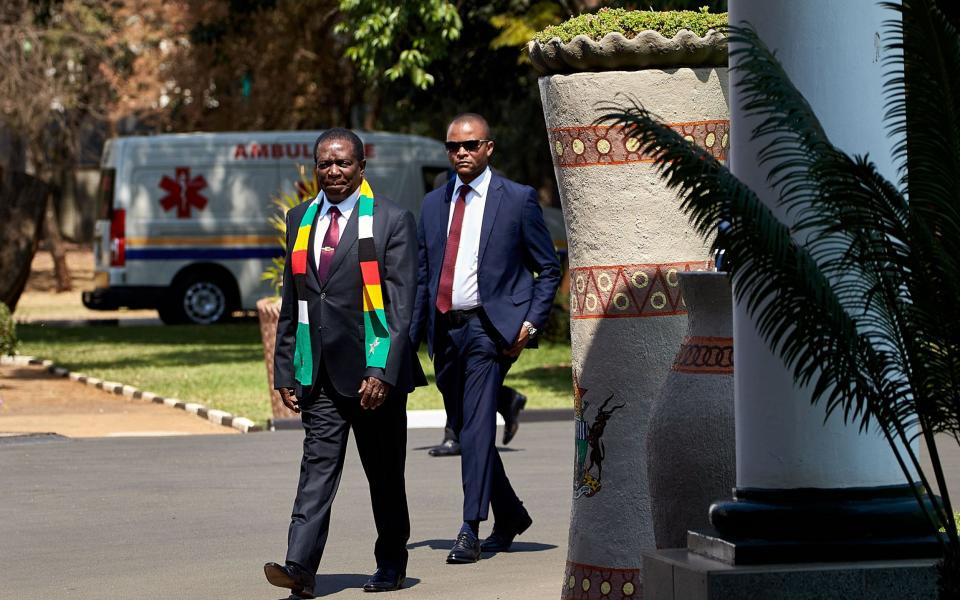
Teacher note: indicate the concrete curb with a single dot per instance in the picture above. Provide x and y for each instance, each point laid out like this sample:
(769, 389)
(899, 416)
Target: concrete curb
(218, 417)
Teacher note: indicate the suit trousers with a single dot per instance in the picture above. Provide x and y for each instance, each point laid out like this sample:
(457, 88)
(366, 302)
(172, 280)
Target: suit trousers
(470, 370)
(381, 442)
(505, 399)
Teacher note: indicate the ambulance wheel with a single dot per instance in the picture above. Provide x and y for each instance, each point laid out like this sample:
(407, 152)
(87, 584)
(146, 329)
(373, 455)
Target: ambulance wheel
(201, 298)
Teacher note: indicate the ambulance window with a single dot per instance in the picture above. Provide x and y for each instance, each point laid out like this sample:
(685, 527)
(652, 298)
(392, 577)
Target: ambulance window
(434, 177)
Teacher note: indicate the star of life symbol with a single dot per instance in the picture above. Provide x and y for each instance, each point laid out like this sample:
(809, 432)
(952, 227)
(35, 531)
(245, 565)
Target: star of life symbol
(373, 346)
(183, 192)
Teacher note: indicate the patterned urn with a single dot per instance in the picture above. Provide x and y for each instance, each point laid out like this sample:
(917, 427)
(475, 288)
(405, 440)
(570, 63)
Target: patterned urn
(691, 449)
(628, 243)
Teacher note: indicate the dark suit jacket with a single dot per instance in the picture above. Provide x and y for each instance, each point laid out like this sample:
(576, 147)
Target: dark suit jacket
(514, 245)
(336, 306)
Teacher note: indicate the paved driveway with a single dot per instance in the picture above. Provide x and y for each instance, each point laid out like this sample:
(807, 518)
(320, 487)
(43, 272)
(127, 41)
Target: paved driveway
(196, 517)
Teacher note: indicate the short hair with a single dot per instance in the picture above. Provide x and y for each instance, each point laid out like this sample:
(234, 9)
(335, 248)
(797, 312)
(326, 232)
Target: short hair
(472, 116)
(342, 135)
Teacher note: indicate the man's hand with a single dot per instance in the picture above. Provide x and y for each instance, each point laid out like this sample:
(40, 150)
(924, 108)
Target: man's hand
(522, 339)
(373, 392)
(289, 398)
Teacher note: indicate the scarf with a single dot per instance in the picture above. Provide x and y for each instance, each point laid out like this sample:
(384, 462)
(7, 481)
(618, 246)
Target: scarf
(376, 333)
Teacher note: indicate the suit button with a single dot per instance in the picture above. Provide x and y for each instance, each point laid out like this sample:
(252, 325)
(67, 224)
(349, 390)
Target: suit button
(323, 295)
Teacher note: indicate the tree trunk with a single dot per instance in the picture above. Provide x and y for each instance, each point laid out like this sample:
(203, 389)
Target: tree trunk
(22, 202)
(54, 239)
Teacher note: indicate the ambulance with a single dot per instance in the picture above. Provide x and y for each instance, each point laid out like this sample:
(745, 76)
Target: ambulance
(183, 220)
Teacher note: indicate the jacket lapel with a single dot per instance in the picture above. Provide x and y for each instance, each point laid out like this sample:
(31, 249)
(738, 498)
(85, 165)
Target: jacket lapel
(347, 239)
(490, 207)
(444, 216)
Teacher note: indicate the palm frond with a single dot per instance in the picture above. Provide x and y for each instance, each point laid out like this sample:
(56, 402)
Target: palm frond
(923, 107)
(923, 100)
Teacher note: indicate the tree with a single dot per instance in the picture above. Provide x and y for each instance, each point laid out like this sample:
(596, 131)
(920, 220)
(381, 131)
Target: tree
(480, 69)
(858, 296)
(396, 40)
(260, 64)
(22, 200)
(51, 81)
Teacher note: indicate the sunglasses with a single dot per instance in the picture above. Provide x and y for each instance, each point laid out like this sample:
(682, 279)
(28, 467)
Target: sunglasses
(468, 145)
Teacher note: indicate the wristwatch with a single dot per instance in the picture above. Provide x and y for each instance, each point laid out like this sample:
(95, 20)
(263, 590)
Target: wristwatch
(531, 330)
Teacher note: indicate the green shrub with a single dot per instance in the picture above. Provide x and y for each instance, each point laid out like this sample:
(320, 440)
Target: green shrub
(8, 331)
(631, 22)
(557, 329)
(956, 519)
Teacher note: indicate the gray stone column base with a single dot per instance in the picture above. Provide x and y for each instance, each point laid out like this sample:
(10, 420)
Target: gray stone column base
(678, 574)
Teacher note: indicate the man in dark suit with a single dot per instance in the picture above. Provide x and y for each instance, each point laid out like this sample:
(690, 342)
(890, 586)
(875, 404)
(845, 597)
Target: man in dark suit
(509, 401)
(482, 240)
(343, 357)
(509, 404)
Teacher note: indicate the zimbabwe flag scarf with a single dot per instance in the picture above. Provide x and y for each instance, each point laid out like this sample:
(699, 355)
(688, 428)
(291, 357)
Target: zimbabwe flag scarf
(376, 333)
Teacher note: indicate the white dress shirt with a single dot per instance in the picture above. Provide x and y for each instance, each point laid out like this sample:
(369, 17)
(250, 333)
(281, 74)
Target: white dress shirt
(466, 294)
(346, 208)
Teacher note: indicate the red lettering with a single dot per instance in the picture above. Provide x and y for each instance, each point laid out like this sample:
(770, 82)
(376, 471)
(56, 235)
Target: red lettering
(295, 152)
(276, 150)
(307, 150)
(240, 151)
(369, 150)
(258, 151)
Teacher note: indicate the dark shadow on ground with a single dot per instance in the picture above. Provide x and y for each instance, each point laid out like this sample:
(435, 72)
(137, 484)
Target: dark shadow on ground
(526, 547)
(331, 583)
(499, 448)
(424, 448)
(234, 334)
(446, 544)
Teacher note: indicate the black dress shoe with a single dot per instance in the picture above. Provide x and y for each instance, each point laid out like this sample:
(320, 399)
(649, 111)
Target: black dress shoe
(502, 536)
(465, 550)
(511, 420)
(385, 580)
(292, 577)
(447, 448)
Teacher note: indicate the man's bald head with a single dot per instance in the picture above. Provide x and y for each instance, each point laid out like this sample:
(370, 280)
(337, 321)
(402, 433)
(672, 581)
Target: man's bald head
(476, 120)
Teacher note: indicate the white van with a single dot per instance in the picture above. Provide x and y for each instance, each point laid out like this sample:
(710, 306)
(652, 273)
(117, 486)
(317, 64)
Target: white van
(183, 220)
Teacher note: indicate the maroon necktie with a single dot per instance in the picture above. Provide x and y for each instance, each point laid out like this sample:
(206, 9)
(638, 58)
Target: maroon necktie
(330, 241)
(445, 291)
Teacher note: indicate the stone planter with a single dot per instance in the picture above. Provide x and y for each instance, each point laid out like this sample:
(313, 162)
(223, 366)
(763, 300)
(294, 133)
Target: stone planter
(628, 241)
(691, 448)
(268, 311)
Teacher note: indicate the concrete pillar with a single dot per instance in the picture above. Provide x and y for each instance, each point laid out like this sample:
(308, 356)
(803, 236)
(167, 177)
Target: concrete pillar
(832, 52)
(787, 456)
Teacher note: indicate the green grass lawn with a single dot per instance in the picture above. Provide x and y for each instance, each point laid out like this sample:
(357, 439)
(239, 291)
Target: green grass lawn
(222, 366)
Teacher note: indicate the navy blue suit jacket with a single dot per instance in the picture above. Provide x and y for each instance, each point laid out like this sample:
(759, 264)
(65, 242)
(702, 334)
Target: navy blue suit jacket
(514, 245)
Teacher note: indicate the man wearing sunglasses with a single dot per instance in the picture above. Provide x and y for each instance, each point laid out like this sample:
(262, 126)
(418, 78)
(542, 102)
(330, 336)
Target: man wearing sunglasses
(488, 274)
